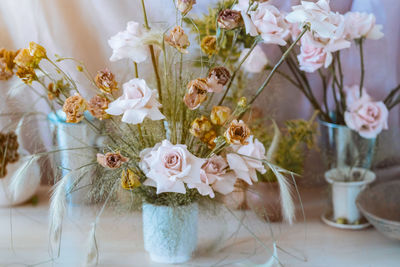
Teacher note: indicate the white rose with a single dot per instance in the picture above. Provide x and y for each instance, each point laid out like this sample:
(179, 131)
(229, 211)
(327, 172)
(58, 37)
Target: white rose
(358, 25)
(129, 44)
(244, 166)
(256, 61)
(137, 102)
(169, 167)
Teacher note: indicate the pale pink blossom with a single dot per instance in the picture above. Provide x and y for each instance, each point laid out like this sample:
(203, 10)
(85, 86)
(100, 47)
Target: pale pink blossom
(215, 176)
(137, 102)
(313, 54)
(129, 44)
(245, 160)
(353, 94)
(364, 115)
(256, 61)
(362, 25)
(169, 167)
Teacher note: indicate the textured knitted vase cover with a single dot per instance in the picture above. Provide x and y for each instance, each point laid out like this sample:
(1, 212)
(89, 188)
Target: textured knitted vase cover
(170, 233)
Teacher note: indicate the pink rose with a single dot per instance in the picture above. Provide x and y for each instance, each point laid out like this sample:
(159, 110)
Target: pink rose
(248, 162)
(137, 102)
(256, 61)
(169, 167)
(367, 117)
(214, 176)
(353, 94)
(358, 25)
(269, 22)
(313, 54)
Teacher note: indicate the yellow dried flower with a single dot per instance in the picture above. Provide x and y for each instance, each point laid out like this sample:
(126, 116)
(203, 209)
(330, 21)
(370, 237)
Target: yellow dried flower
(129, 180)
(37, 51)
(6, 64)
(24, 59)
(97, 106)
(178, 39)
(237, 133)
(106, 82)
(200, 126)
(74, 107)
(27, 75)
(242, 102)
(209, 138)
(52, 91)
(220, 114)
(8, 151)
(209, 45)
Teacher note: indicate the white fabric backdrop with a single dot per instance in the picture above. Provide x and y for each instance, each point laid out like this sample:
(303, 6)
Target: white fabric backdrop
(81, 29)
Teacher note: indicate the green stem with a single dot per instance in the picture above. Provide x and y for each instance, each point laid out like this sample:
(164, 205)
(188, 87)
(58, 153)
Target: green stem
(362, 66)
(236, 71)
(325, 87)
(281, 60)
(136, 70)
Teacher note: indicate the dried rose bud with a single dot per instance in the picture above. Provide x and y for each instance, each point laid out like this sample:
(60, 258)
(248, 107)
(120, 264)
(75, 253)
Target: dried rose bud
(229, 19)
(200, 126)
(7, 64)
(27, 75)
(178, 39)
(97, 107)
(220, 114)
(196, 94)
(209, 45)
(37, 51)
(74, 107)
(129, 180)
(184, 6)
(217, 78)
(209, 138)
(237, 133)
(105, 81)
(52, 91)
(8, 151)
(111, 160)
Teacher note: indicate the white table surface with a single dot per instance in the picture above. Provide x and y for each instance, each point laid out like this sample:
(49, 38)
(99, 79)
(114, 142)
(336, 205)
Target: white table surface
(24, 239)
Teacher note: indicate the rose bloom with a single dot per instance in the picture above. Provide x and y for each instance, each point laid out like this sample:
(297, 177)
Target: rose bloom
(244, 167)
(220, 115)
(215, 176)
(74, 107)
(184, 6)
(129, 44)
(358, 25)
(237, 133)
(217, 78)
(256, 61)
(268, 21)
(97, 107)
(111, 160)
(137, 102)
(313, 54)
(196, 94)
(353, 94)
(169, 167)
(229, 19)
(368, 118)
(105, 81)
(178, 39)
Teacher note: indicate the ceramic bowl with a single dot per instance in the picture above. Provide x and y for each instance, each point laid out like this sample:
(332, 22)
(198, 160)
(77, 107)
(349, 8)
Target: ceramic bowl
(380, 204)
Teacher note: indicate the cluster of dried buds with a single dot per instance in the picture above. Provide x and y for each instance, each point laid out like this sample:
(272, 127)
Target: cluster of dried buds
(8, 151)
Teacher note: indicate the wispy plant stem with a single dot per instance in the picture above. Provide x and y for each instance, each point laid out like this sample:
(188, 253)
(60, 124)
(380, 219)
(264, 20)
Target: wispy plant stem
(236, 71)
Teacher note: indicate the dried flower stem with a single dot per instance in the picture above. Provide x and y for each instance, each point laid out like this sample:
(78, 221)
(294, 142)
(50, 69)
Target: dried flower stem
(236, 71)
(136, 70)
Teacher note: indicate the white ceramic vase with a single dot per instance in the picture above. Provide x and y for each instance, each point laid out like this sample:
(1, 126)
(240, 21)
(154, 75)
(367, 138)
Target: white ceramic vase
(344, 193)
(170, 233)
(28, 187)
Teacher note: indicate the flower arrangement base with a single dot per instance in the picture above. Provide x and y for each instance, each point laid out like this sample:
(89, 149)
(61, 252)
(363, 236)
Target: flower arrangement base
(170, 233)
(345, 192)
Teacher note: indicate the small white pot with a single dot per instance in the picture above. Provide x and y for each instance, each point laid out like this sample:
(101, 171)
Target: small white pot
(170, 233)
(344, 193)
(28, 188)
